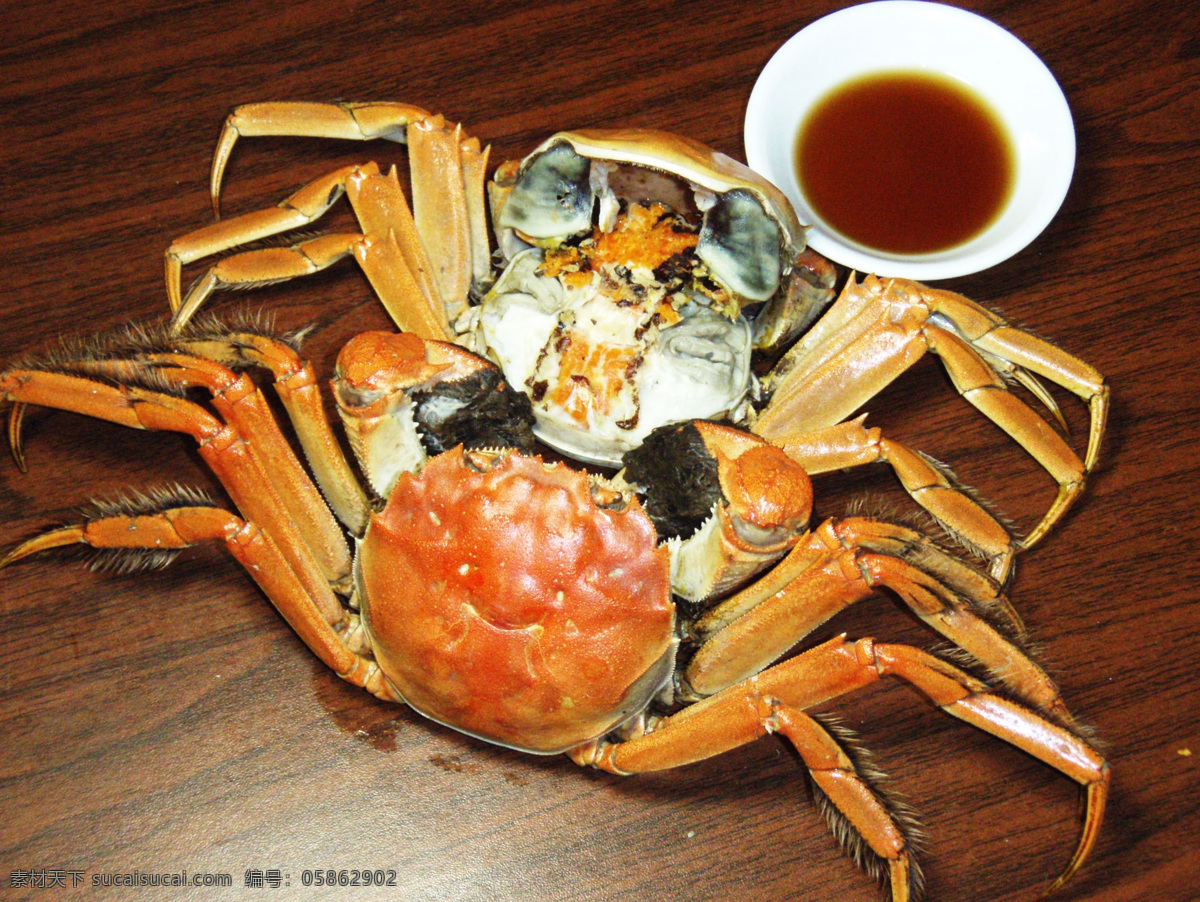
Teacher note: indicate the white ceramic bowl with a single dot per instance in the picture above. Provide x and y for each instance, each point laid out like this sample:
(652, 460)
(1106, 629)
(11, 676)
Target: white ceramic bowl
(909, 35)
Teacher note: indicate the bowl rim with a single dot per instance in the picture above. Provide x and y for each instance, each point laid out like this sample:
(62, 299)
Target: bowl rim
(1044, 141)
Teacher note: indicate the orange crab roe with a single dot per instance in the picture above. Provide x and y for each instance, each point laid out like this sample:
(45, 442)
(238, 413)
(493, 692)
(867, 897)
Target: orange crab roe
(592, 375)
(641, 236)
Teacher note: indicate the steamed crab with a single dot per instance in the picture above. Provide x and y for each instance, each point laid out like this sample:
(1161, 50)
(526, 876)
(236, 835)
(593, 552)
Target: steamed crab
(641, 272)
(532, 605)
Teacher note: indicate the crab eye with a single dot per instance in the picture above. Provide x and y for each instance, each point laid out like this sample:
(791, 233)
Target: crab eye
(552, 197)
(740, 244)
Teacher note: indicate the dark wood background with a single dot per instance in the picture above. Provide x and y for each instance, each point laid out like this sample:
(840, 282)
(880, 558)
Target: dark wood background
(172, 722)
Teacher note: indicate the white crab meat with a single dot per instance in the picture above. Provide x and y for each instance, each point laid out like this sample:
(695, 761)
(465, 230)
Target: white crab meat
(608, 355)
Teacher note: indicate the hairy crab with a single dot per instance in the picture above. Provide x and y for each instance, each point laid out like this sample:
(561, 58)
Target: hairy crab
(641, 272)
(532, 605)
(636, 622)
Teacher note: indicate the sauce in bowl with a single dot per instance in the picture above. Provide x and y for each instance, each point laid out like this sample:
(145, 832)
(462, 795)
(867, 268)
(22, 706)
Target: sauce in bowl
(905, 162)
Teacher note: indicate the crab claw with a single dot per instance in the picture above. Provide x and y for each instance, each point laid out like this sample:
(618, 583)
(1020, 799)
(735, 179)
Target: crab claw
(733, 503)
(402, 397)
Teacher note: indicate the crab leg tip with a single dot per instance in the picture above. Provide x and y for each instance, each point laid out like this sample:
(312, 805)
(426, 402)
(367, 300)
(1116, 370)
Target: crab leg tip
(16, 417)
(57, 538)
(1095, 799)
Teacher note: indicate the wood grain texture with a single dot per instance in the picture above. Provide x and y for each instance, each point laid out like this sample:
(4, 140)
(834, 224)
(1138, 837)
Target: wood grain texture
(172, 721)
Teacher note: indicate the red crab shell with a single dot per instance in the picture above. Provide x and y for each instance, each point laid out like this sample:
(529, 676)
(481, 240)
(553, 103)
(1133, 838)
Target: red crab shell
(506, 604)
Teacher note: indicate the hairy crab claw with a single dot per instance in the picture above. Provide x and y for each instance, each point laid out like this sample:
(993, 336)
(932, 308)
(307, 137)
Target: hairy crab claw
(633, 623)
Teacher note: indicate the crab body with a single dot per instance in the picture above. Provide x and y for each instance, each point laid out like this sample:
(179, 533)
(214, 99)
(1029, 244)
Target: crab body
(538, 658)
(634, 256)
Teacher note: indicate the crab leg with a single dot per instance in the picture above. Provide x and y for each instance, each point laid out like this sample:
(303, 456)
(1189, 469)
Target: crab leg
(849, 794)
(990, 334)
(348, 121)
(856, 312)
(832, 569)
(299, 209)
(770, 701)
(847, 790)
(877, 343)
(263, 267)
(852, 444)
(333, 634)
(448, 175)
(297, 387)
(389, 250)
(983, 388)
(393, 254)
(221, 446)
(440, 206)
(862, 533)
(876, 330)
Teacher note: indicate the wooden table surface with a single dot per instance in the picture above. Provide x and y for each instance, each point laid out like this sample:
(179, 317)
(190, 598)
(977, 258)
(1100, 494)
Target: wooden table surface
(172, 722)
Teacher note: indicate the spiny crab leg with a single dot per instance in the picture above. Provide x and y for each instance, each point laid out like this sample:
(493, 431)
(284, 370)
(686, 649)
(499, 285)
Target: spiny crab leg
(991, 335)
(862, 534)
(837, 565)
(774, 701)
(243, 406)
(760, 515)
(163, 525)
(852, 444)
(878, 328)
(221, 446)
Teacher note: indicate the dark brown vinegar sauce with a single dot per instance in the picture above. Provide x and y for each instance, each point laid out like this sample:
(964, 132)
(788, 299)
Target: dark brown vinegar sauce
(905, 162)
